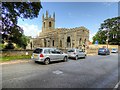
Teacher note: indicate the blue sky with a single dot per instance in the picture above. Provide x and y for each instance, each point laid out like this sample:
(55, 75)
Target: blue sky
(72, 14)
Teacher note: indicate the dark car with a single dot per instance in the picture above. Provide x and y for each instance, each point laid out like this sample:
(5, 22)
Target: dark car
(103, 51)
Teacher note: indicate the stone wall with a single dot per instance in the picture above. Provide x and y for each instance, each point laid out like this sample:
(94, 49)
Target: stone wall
(15, 52)
(91, 50)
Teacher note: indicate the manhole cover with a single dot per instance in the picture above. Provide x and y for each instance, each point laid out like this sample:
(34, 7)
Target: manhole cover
(57, 72)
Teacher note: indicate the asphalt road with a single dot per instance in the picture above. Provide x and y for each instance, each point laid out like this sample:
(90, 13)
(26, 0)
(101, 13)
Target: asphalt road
(92, 72)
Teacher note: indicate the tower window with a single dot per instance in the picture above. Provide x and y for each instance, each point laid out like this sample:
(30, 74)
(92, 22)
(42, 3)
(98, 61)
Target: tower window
(44, 24)
(50, 24)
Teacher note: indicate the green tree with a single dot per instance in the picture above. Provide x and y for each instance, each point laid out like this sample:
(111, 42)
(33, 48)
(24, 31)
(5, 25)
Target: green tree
(24, 40)
(100, 36)
(109, 29)
(11, 11)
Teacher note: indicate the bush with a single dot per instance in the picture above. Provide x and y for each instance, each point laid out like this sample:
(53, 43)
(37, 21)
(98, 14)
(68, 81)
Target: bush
(2, 46)
(9, 46)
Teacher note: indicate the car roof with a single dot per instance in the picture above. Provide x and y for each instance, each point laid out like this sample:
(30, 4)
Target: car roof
(114, 48)
(103, 48)
(45, 48)
(72, 48)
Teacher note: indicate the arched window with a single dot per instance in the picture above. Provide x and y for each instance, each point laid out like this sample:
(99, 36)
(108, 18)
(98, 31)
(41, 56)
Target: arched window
(50, 24)
(68, 41)
(60, 43)
(80, 41)
(85, 41)
(45, 42)
(53, 43)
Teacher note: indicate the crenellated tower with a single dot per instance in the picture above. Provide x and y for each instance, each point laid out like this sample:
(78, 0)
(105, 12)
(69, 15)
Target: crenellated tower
(48, 22)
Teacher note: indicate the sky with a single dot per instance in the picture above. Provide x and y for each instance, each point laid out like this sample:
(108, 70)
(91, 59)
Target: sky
(71, 15)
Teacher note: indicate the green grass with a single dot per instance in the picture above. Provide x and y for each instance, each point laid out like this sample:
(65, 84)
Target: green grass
(10, 58)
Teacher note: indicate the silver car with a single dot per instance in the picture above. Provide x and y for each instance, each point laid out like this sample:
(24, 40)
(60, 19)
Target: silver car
(114, 50)
(48, 55)
(76, 53)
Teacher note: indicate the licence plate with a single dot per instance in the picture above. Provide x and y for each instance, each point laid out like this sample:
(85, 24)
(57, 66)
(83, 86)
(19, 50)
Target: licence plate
(35, 56)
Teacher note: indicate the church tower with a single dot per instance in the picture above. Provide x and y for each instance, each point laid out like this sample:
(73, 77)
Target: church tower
(48, 22)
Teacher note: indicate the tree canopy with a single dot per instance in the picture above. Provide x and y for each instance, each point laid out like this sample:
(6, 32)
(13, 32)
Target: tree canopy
(11, 11)
(109, 28)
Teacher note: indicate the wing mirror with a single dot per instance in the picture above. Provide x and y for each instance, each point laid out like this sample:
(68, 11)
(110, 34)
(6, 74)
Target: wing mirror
(61, 52)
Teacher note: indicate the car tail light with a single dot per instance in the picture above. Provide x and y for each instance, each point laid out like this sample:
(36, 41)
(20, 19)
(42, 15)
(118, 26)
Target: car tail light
(104, 50)
(41, 55)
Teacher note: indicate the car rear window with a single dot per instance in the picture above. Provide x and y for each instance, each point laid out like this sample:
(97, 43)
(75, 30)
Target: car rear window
(71, 50)
(101, 49)
(38, 50)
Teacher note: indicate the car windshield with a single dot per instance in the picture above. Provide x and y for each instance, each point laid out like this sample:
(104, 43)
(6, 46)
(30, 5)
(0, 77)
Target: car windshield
(38, 50)
(114, 49)
(71, 50)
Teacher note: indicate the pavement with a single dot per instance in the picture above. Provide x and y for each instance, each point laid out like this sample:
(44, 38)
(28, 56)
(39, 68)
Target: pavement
(15, 61)
(92, 72)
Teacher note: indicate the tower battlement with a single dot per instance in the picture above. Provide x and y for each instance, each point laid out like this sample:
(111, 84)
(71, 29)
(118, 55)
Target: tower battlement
(48, 22)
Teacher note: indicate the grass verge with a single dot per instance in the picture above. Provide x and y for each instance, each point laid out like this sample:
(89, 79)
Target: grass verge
(10, 58)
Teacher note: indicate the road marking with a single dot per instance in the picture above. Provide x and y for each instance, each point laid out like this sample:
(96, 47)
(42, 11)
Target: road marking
(57, 72)
(116, 86)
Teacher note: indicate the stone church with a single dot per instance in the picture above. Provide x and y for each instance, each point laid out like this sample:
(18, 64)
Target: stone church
(62, 38)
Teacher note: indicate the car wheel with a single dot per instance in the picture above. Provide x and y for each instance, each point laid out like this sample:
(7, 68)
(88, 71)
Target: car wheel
(47, 61)
(36, 61)
(65, 59)
(76, 57)
(85, 56)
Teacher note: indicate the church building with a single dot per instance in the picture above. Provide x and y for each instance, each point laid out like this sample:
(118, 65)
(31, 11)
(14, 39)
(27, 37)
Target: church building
(62, 38)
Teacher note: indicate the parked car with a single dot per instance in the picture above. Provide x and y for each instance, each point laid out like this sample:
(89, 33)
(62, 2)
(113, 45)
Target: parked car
(76, 53)
(114, 50)
(103, 51)
(48, 55)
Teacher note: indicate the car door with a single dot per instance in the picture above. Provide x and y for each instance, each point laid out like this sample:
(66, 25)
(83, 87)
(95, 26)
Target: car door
(60, 55)
(53, 55)
(78, 53)
(47, 53)
(81, 53)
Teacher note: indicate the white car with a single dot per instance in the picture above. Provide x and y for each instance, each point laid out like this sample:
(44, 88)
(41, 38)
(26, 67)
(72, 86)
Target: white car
(76, 53)
(114, 50)
(48, 55)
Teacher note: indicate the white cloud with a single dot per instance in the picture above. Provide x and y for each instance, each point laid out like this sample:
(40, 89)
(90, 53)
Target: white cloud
(91, 35)
(107, 4)
(80, 0)
(30, 30)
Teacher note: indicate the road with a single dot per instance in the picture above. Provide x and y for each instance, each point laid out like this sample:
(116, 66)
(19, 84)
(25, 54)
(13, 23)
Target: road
(92, 72)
